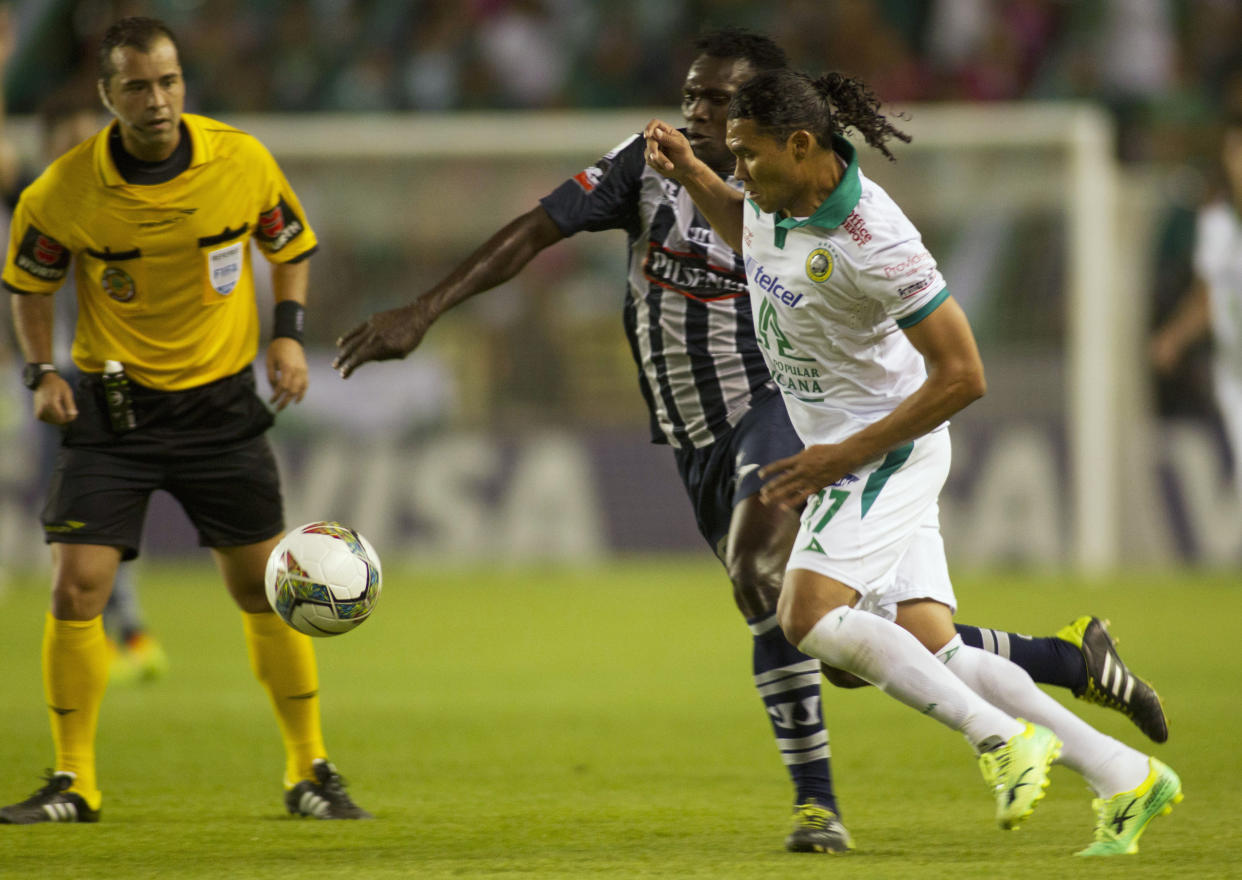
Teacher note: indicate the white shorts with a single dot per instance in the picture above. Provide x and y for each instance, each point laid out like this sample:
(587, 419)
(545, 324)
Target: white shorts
(878, 531)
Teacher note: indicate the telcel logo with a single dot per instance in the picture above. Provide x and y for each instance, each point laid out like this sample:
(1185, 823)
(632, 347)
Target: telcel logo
(770, 283)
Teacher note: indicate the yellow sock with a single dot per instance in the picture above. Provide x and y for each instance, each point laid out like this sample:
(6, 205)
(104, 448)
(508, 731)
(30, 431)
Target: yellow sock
(283, 660)
(75, 675)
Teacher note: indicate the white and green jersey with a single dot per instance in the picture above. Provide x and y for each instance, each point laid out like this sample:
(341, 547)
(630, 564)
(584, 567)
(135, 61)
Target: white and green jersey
(1218, 263)
(830, 294)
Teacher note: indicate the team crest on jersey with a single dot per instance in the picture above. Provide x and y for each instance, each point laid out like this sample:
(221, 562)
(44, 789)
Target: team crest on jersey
(278, 226)
(819, 265)
(118, 284)
(224, 265)
(42, 256)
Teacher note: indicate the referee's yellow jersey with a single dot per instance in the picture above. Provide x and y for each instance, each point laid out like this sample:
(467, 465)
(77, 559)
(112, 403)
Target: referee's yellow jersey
(164, 277)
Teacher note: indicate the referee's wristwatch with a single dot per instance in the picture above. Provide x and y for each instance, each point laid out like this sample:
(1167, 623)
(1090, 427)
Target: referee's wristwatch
(33, 374)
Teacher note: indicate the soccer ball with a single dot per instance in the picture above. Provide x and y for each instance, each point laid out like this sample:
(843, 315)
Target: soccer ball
(323, 579)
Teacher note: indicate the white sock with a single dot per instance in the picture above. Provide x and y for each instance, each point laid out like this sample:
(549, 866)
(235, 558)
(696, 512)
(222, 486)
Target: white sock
(897, 663)
(1108, 766)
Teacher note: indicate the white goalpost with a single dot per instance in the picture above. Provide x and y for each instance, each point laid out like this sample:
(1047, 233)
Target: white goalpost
(1099, 386)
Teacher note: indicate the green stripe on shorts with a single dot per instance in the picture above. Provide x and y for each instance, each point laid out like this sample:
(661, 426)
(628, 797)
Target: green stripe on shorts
(880, 475)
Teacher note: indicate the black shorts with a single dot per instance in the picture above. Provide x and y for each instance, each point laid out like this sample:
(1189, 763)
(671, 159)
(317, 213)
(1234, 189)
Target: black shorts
(205, 446)
(719, 477)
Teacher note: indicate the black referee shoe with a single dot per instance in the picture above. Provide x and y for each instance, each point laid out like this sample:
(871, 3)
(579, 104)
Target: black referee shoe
(52, 803)
(324, 797)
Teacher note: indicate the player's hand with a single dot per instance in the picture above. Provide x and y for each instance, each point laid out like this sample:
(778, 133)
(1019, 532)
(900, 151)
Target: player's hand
(286, 372)
(384, 336)
(667, 150)
(791, 481)
(53, 401)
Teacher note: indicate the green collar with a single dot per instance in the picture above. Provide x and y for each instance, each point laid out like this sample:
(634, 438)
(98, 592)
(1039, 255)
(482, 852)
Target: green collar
(840, 202)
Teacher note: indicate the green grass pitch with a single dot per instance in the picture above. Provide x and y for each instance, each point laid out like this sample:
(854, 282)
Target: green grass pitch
(594, 722)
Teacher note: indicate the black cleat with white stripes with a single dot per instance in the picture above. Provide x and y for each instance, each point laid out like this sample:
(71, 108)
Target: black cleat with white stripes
(1110, 683)
(324, 797)
(54, 802)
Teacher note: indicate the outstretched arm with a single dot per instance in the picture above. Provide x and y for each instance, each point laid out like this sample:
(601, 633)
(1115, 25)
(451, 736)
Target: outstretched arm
(396, 332)
(669, 153)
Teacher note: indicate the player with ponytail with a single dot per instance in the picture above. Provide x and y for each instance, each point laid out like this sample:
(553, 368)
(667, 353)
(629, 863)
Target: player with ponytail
(783, 101)
(872, 357)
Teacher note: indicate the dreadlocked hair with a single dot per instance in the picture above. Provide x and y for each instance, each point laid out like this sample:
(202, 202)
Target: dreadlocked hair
(856, 106)
(784, 101)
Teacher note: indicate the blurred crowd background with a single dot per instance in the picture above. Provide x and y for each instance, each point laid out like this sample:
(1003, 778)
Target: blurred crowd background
(1162, 66)
(1165, 69)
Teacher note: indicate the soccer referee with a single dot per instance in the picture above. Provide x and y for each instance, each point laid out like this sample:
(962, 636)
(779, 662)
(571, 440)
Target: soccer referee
(156, 214)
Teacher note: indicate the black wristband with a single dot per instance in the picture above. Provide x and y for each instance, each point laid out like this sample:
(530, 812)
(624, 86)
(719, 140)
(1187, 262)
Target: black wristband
(290, 320)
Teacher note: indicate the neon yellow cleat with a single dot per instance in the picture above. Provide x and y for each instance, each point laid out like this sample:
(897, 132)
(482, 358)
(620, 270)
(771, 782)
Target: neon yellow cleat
(1017, 772)
(1122, 819)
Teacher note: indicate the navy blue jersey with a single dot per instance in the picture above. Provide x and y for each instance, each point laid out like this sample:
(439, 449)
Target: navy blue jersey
(687, 311)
